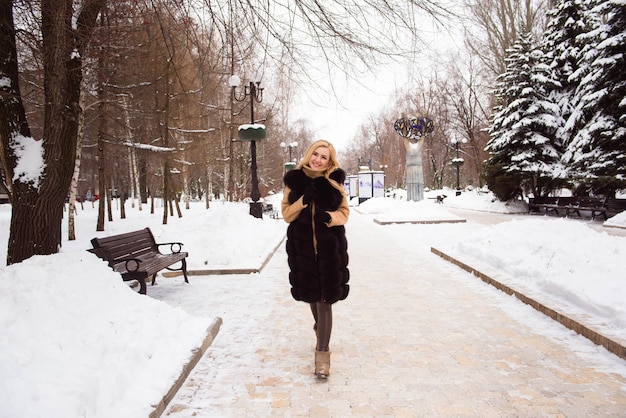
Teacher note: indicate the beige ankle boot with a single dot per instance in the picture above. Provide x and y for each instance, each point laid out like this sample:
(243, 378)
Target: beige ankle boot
(322, 364)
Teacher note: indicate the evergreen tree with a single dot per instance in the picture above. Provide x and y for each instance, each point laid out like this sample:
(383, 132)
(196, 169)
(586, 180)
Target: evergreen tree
(597, 153)
(523, 144)
(567, 20)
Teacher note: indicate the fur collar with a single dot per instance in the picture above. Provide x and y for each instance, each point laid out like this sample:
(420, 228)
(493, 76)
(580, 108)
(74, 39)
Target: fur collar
(297, 177)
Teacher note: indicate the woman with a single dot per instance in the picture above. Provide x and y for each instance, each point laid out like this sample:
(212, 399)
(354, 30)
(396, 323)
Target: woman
(316, 208)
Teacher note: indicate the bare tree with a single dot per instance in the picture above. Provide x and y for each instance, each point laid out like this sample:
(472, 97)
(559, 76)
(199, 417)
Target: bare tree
(494, 25)
(457, 111)
(349, 37)
(469, 100)
(38, 197)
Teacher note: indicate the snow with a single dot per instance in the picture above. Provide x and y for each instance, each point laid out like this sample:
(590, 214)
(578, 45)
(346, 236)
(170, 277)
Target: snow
(153, 148)
(72, 342)
(246, 126)
(594, 284)
(562, 263)
(30, 162)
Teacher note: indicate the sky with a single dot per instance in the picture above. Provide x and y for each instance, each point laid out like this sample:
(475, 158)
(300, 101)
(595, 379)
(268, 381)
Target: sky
(336, 113)
(337, 116)
(71, 344)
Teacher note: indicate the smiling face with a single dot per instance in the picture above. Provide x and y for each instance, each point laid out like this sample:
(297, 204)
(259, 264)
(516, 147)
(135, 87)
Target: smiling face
(320, 159)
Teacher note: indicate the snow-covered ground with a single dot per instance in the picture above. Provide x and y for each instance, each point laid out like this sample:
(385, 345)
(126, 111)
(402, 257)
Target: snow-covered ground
(73, 335)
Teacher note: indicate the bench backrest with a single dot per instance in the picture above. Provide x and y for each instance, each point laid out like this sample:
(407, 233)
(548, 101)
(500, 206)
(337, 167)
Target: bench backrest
(616, 205)
(567, 200)
(543, 200)
(591, 202)
(124, 246)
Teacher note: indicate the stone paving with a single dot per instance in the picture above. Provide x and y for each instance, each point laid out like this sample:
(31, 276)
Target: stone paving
(417, 337)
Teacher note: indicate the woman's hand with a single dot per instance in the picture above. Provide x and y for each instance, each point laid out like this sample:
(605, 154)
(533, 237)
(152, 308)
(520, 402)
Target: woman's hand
(322, 216)
(310, 193)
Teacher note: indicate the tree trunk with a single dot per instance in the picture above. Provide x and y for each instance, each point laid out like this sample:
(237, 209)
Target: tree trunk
(14, 129)
(178, 211)
(143, 187)
(122, 205)
(166, 192)
(109, 199)
(38, 197)
(39, 200)
(71, 231)
(135, 179)
(101, 181)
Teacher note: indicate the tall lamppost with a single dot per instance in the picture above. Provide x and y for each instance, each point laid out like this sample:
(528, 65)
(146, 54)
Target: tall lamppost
(252, 133)
(290, 165)
(290, 145)
(457, 162)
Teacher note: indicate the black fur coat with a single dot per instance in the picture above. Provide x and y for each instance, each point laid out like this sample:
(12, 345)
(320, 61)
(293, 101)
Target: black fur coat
(323, 277)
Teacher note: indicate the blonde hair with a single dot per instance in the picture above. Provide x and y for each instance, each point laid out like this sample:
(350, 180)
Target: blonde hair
(333, 163)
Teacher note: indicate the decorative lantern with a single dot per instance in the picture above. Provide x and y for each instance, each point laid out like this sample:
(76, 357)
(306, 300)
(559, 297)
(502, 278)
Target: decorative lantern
(251, 132)
(457, 162)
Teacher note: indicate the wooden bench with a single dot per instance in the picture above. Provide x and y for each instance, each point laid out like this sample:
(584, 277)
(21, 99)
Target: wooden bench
(136, 256)
(593, 205)
(546, 204)
(611, 207)
(582, 206)
(615, 206)
(439, 198)
(563, 206)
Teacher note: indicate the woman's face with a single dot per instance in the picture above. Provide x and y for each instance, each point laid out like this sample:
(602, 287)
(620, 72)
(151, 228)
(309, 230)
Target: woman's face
(320, 159)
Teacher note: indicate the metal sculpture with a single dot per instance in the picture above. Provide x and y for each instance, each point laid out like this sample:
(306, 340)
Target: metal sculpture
(413, 130)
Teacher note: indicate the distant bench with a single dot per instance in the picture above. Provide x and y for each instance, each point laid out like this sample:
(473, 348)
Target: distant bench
(136, 256)
(580, 206)
(439, 198)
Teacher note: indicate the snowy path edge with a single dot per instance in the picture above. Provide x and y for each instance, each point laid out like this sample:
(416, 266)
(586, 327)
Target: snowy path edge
(226, 271)
(196, 355)
(611, 345)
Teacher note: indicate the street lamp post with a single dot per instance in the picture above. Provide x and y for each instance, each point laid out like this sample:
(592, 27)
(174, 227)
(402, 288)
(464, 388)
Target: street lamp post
(290, 164)
(457, 162)
(290, 145)
(255, 91)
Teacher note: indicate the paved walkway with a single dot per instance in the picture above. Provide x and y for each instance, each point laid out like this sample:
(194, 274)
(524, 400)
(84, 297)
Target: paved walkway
(417, 337)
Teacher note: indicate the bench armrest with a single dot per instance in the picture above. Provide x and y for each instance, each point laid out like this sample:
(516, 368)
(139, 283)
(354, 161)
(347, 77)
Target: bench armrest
(175, 247)
(131, 264)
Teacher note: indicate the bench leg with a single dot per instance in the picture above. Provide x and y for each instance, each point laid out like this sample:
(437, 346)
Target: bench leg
(184, 268)
(142, 286)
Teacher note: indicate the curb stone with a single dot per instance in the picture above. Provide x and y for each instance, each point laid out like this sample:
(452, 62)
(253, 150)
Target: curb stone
(611, 345)
(211, 272)
(196, 355)
(433, 221)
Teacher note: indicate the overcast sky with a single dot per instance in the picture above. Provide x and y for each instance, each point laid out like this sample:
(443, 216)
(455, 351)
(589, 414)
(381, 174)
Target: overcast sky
(338, 117)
